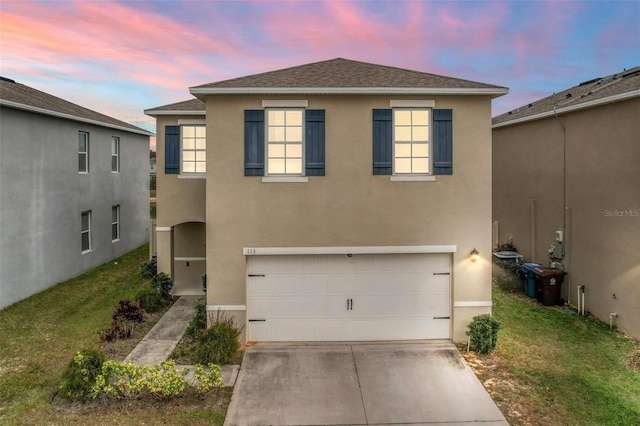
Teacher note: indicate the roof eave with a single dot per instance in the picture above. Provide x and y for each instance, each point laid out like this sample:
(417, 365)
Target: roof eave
(200, 92)
(564, 110)
(38, 110)
(154, 113)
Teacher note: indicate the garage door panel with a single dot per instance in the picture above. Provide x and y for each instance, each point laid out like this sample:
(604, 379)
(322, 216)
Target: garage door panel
(289, 307)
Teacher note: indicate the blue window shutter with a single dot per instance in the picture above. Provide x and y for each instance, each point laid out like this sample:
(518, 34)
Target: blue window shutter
(442, 142)
(172, 150)
(382, 142)
(254, 142)
(314, 142)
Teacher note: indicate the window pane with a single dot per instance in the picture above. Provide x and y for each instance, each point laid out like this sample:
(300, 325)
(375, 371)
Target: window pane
(403, 150)
(114, 164)
(420, 165)
(420, 117)
(85, 241)
(85, 221)
(294, 118)
(188, 144)
(294, 150)
(276, 134)
(188, 155)
(420, 150)
(403, 165)
(188, 167)
(201, 132)
(294, 165)
(201, 143)
(276, 166)
(114, 146)
(294, 134)
(82, 142)
(114, 231)
(421, 133)
(114, 214)
(403, 133)
(402, 117)
(276, 118)
(188, 132)
(201, 167)
(82, 162)
(201, 156)
(276, 150)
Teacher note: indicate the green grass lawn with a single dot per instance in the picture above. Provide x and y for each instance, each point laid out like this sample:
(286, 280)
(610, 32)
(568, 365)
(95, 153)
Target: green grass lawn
(572, 370)
(39, 336)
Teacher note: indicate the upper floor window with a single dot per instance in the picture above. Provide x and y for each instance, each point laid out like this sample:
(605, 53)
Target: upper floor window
(115, 154)
(194, 154)
(284, 141)
(411, 141)
(85, 231)
(83, 152)
(115, 223)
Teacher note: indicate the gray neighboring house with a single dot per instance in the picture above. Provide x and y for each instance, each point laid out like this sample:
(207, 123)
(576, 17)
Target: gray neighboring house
(74, 190)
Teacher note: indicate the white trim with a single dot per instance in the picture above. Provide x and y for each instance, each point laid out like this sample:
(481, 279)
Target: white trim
(285, 103)
(38, 110)
(474, 304)
(163, 229)
(271, 251)
(189, 259)
(412, 178)
(412, 103)
(193, 176)
(285, 179)
(174, 112)
(499, 91)
(227, 307)
(564, 110)
(186, 121)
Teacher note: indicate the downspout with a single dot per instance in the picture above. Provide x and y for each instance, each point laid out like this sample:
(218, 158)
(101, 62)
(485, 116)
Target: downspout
(564, 195)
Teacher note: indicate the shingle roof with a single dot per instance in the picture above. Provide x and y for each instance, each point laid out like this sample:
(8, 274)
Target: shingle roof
(619, 86)
(192, 106)
(340, 75)
(19, 96)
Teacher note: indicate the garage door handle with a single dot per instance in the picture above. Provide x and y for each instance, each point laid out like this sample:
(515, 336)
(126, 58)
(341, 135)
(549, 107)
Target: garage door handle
(256, 275)
(441, 317)
(441, 273)
(257, 320)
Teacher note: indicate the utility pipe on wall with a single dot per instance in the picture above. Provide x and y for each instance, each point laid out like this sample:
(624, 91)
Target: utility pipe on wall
(611, 315)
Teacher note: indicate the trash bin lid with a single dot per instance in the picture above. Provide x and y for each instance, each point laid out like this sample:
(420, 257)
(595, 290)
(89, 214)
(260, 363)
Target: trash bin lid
(528, 267)
(548, 272)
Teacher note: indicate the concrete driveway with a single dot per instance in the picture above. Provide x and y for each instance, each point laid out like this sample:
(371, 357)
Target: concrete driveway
(359, 384)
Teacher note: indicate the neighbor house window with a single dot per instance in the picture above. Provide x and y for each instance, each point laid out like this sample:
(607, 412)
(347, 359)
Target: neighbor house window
(194, 154)
(115, 154)
(85, 231)
(115, 223)
(411, 136)
(83, 152)
(284, 141)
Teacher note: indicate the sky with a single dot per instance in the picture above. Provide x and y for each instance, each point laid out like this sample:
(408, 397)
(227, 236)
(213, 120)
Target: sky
(122, 57)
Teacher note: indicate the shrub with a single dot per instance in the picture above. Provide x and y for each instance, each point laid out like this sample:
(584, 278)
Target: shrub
(128, 311)
(79, 376)
(483, 333)
(149, 268)
(117, 330)
(163, 284)
(150, 300)
(219, 343)
(198, 322)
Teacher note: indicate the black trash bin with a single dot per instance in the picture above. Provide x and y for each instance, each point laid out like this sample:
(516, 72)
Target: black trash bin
(548, 285)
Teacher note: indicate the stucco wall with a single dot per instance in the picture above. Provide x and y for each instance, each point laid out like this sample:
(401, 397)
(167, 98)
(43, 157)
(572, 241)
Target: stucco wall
(602, 230)
(42, 196)
(349, 206)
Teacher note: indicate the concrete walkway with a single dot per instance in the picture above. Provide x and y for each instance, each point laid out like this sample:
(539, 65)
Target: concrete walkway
(157, 345)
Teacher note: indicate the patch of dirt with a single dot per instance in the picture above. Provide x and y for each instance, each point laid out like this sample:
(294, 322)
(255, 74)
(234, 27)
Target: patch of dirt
(633, 362)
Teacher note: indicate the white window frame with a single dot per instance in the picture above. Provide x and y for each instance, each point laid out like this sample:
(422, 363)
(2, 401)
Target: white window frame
(84, 153)
(429, 142)
(115, 223)
(86, 231)
(195, 150)
(268, 173)
(115, 142)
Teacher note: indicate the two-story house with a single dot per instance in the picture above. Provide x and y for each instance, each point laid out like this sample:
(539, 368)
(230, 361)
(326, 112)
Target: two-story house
(337, 200)
(74, 190)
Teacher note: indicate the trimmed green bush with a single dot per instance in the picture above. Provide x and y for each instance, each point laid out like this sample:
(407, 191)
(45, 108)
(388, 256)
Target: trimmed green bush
(483, 333)
(79, 376)
(198, 321)
(163, 284)
(219, 343)
(149, 269)
(151, 300)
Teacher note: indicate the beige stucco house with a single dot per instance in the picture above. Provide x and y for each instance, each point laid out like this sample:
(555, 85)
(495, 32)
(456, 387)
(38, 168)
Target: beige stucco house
(338, 200)
(566, 172)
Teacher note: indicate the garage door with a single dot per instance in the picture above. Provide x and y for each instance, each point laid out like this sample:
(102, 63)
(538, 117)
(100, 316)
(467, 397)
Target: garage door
(348, 297)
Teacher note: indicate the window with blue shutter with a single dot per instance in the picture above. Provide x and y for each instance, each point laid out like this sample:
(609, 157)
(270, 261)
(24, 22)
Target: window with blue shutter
(382, 141)
(172, 150)
(314, 142)
(254, 142)
(442, 142)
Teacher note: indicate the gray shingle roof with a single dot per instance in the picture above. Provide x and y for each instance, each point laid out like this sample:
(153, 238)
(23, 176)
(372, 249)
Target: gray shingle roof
(191, 106)
(342, 73)
(594, 92)
(16, 95)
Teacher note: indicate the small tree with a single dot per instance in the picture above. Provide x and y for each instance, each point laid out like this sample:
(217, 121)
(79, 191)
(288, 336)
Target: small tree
(483, 333)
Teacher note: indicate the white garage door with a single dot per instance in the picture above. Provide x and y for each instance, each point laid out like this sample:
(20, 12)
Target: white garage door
(348, 297)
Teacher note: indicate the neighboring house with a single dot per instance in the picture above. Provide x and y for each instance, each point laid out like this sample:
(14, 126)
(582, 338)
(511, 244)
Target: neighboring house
(74, 190)
(337, 200)
(570, 162)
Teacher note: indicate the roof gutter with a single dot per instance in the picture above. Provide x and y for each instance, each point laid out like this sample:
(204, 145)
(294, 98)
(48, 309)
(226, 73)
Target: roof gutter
(154, 113)
(44, 111)
(555, 112)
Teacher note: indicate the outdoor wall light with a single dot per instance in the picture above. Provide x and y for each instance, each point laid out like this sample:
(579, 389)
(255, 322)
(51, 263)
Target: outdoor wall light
(474, 254)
